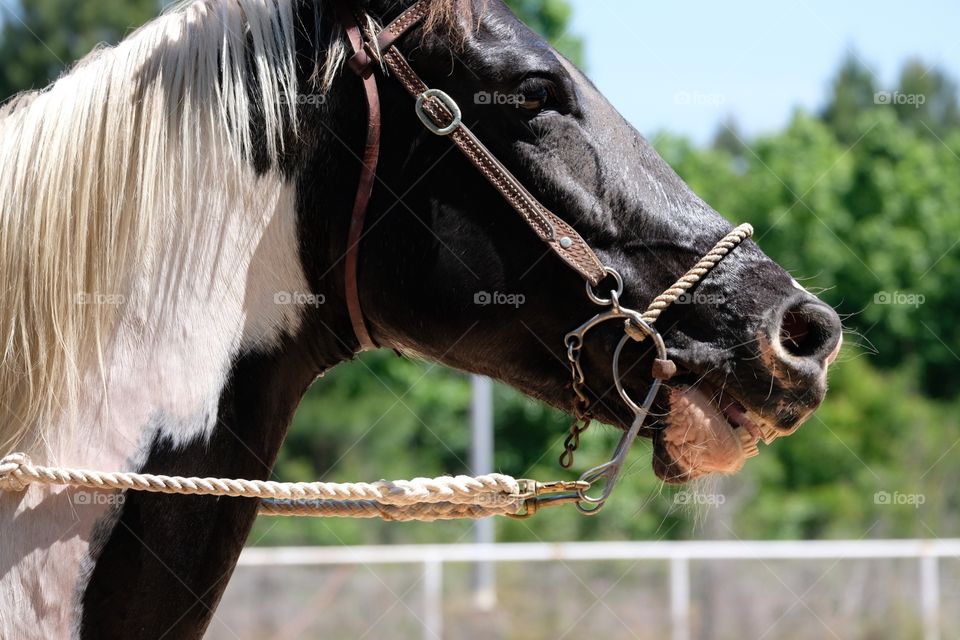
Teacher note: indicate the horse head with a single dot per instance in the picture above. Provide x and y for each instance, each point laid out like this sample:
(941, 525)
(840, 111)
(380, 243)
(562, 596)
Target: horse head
(448, 270)
(181, 260)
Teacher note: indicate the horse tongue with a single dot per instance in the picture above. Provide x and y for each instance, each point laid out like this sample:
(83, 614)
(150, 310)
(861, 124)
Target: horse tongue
(736, 414)
(698, 438)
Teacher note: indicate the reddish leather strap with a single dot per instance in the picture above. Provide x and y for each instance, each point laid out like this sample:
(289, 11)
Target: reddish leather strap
(363, 61)
(371, 156)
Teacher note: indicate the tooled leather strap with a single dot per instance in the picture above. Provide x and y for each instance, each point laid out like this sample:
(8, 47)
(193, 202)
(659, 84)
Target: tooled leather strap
(550, 228)
(363, 60)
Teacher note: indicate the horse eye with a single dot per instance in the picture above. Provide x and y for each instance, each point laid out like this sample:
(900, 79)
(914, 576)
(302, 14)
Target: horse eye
(536, 95)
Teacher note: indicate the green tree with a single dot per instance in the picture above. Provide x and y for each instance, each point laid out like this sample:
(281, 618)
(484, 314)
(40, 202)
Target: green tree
(924, 98)
(853, 91)
(551, 19)
(927, 99)
(41, 38)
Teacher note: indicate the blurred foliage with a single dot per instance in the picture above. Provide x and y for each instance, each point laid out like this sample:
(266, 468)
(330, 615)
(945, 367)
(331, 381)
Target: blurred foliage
(41, 38)
(858, 201)
(551, 19)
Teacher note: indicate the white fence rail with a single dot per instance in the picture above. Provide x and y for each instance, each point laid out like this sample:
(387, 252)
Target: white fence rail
(431, 559)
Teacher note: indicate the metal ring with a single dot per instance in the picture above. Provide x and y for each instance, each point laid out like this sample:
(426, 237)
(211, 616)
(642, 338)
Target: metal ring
(601, 472)
(446, 101)
(606, 302)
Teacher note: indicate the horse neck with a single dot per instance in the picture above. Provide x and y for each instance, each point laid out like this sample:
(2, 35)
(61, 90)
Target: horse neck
(197, 299)
(201, 377)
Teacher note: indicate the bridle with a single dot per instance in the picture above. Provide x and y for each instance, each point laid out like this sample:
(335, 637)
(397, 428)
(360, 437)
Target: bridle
(441, 115)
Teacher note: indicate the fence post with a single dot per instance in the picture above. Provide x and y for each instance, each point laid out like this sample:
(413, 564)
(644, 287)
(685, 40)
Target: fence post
(433, 599)
(680, 597)
(481, 461)
(930, 594)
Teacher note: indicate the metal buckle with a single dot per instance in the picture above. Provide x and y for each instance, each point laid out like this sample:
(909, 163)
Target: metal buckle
(446, 101)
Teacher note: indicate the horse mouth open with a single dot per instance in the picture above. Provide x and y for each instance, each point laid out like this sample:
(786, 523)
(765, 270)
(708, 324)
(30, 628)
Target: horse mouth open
(708, 431)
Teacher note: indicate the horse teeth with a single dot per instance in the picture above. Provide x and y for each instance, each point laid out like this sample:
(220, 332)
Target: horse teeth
(769, 434)
(748, 443)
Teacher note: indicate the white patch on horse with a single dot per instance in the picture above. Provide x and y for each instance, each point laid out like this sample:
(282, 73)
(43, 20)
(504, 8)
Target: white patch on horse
(164, 371)
(210, 245)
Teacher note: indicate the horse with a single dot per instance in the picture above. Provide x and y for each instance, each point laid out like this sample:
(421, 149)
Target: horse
(178, 268)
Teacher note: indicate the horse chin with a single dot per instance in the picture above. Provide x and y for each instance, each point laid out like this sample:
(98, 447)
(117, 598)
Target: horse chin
(703, 436)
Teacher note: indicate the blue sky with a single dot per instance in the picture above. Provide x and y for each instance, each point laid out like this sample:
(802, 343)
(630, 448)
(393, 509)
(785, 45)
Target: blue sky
(684, 65)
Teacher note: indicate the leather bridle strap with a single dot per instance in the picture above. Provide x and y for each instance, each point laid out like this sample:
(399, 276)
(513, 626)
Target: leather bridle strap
(441, 115)
(442, 111)
(368, 172)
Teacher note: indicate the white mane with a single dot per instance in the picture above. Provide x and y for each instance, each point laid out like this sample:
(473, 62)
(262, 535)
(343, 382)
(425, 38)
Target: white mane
(114, 158)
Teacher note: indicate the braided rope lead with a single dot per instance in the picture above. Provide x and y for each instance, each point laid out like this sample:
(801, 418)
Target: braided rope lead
(696, 274)
(370, 509)
(496, 491)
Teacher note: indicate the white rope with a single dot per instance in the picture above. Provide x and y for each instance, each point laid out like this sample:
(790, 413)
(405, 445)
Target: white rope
(426, 512)
(446, 497)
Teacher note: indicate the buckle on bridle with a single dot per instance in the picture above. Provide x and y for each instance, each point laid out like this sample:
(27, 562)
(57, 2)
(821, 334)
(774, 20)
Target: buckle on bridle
(448, 102)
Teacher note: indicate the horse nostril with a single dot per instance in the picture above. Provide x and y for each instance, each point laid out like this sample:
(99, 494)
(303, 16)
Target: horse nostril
(795, 334)
(809, 330)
